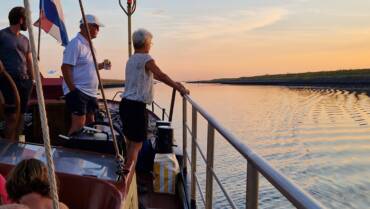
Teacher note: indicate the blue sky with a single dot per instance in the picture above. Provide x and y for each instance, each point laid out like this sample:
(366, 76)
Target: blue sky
(212, 38)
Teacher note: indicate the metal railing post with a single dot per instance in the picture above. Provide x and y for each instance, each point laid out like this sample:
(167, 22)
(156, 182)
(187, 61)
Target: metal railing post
(153, 107)
(256, 166)
(172, 104)
(210, 156)
(252, 187)
(163, 113)
(193, 154)
(184, 134)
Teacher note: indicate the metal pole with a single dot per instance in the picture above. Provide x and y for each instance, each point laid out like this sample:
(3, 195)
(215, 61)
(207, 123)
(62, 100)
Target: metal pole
(184, 134)
(163, 113)
(252, 187)
(129, 12)
(42, 109)
(210, 159)
(193, 155)
(131, 7)
(118, 155)
(172, 104)
(39, 36)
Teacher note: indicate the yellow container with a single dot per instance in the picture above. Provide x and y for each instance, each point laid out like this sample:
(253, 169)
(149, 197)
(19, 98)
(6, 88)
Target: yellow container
(165, 170)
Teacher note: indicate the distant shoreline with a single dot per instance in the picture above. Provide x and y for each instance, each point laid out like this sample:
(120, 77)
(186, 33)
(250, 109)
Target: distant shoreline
(349, 87)
(343, 79)
(112, 83)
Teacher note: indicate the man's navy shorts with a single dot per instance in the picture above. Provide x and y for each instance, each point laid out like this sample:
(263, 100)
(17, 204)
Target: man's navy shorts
(134, 118)
(79, 103)
(24, 88)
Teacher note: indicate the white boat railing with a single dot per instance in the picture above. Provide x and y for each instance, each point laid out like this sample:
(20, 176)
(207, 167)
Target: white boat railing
(255, 165)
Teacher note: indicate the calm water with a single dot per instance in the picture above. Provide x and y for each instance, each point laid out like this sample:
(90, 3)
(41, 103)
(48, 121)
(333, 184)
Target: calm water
(319, 138)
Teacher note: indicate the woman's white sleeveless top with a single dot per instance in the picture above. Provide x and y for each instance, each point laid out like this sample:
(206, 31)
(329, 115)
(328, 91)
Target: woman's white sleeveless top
(139, 82)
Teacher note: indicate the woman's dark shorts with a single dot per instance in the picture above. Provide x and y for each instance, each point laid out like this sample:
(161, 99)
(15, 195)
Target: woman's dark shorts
(134, 118)
(24, 89)
(80, 104)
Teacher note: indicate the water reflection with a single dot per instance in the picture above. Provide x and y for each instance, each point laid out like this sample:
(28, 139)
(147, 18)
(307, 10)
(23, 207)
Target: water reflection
(318, 137)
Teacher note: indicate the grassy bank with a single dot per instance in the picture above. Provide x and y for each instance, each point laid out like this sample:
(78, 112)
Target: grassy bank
(359, 77)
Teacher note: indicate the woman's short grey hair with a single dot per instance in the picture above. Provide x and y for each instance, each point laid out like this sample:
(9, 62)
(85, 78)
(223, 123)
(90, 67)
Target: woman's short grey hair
(141, 37)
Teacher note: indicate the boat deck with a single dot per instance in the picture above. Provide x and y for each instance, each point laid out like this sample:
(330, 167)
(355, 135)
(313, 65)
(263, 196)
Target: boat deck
(152, 200)
(94, 173)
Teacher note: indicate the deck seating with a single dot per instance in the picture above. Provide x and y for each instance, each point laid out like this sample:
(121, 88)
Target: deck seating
(83, 192)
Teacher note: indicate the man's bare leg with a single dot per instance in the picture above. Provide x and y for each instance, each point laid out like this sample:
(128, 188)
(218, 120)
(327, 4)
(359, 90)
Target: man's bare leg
(90, 118)
(78, 122)
(133, 149)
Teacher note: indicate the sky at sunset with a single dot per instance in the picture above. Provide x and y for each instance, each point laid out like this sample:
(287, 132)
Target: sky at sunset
(204, 39)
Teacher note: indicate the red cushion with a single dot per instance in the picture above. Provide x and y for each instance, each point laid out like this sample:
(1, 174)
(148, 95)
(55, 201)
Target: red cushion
(3, 193)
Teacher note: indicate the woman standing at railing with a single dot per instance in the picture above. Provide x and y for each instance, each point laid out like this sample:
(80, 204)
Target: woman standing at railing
(140, 70)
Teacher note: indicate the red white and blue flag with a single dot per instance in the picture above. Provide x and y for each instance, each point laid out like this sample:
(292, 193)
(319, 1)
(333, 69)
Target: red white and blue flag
(52, 20)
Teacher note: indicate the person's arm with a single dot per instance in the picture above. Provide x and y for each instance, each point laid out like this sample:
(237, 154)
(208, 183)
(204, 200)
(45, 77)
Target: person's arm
(161, 76)
(1, 67)
(67, 75)
(106, 63)
(100, 65)
(29, 66)
(63, 206)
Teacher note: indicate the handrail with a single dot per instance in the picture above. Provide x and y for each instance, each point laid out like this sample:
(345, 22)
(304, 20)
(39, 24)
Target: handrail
(118, 92)
(292, 192)
(213, 172)
(164, 113)
(156, 104)
(172, 104)
(198, 185)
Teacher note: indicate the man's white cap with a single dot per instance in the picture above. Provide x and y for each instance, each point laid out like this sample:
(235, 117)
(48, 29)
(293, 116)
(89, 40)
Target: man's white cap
(92, 19)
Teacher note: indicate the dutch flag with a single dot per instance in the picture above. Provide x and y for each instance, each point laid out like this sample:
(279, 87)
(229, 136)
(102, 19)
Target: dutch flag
(52, 20)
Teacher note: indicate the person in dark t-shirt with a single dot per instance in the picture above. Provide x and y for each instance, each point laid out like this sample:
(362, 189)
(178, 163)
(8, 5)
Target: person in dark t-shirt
(15, 54)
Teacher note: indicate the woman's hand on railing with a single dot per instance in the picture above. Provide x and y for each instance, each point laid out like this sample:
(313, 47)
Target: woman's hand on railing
(181, 88)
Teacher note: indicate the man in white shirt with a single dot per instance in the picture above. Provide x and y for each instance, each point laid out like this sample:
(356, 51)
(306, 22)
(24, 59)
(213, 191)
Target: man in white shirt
(80, 84)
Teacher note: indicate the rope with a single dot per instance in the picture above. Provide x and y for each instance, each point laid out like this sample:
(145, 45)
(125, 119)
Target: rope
(43, 118)
(115, 143)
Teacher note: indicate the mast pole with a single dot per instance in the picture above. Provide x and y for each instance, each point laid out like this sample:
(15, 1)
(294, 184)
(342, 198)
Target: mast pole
(42, 110)
(129, 11)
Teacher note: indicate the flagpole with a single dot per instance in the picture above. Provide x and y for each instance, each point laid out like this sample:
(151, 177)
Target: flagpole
(129, 28)
(39, 35)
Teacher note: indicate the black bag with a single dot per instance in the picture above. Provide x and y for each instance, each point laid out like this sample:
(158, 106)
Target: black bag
(164, 141)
